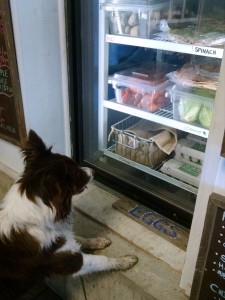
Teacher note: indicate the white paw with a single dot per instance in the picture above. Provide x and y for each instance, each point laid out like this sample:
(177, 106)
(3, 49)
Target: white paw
(95, 243)
(127, 262)
(102, 243)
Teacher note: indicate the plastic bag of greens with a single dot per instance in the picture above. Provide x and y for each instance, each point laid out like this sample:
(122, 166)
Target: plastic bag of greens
(205, 116)
(189, 110)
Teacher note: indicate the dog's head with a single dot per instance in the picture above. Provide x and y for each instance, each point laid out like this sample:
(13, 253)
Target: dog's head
(51, 177)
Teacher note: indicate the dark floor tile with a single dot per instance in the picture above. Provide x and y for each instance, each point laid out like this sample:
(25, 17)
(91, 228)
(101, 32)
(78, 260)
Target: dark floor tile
(41, 292)
(48, 295)
(34, 292)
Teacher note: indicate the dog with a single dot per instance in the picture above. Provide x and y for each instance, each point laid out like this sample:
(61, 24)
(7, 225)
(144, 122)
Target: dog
(36, 237)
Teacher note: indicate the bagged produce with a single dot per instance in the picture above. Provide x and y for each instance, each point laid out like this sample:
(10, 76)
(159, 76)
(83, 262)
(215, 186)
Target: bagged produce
(205, 116)
(189, 110)
(196, 76)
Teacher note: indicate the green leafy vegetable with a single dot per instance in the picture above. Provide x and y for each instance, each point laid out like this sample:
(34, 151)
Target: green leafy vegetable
(189, 110)
(205, 116)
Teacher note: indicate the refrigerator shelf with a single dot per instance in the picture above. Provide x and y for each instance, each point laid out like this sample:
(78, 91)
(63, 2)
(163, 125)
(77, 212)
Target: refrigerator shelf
(163, 116)
(165, 45)
(110, 152)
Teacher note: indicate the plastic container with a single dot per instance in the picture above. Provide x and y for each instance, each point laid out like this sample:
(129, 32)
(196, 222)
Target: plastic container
(189, 173)
(196, 77)
(142, 20)
(190, 151)
(190, 107)
(142, 87)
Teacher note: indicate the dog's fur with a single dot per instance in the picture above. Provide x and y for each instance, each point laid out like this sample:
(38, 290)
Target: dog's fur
(36, 238)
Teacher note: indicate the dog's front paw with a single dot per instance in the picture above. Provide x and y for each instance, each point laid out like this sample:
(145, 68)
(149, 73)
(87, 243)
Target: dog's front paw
(127, 262)
(94, 243)
(101, 243)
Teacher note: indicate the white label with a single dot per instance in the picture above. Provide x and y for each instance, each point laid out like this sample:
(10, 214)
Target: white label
(205, 51)
(195, 130)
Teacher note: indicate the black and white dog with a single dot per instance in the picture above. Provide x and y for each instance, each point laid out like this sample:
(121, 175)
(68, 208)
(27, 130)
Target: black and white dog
(36, 238)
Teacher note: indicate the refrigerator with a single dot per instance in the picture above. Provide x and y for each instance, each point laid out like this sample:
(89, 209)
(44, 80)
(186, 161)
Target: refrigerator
(144, 77)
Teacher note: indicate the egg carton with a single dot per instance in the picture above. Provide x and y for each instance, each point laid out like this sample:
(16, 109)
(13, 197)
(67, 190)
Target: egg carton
(190, 151)
(187, 172)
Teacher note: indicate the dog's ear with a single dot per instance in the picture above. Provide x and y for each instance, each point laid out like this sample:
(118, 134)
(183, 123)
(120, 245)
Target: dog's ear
(34, 148)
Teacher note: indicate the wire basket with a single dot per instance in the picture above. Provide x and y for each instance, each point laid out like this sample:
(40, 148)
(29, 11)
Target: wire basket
(130, 144)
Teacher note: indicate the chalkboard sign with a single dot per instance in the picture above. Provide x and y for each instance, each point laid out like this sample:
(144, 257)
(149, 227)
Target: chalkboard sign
(209, 279)
(12, 125)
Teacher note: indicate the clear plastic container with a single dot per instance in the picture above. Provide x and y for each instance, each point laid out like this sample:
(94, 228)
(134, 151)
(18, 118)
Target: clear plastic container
(190, 107)
(197, 77)
(142, 87)
(140, 20)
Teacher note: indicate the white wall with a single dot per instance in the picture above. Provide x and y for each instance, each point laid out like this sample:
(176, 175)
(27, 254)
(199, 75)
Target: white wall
(39, 32)
(220, 178)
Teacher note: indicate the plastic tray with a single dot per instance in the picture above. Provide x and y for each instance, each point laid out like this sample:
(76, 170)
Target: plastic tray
(190, 107)
(137, 20)
(150, 74)
(142, 87)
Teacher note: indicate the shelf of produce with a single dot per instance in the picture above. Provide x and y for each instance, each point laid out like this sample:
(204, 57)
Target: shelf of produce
(163, 116)
(164, 45)
(110, 152)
